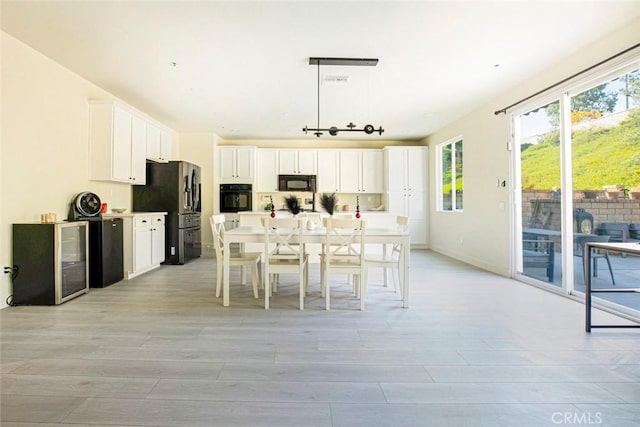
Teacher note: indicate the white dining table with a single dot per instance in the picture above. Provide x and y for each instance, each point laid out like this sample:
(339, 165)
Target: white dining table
(255, 234)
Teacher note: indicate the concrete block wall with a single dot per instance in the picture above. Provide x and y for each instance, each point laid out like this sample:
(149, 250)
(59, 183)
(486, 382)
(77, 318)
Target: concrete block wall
(547, 209)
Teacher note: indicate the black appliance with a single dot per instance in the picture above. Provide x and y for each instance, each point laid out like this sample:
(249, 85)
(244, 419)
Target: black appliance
(175, 188)
(235, 197)
(49, 262)
(106, 260)
(106, 265)
(303, 183)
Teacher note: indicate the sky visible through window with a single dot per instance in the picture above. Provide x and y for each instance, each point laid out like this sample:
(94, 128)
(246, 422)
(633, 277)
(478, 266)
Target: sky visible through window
(537, 122)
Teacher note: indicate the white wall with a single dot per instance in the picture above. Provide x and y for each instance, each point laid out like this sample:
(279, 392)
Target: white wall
(44, 151)
(480, 235)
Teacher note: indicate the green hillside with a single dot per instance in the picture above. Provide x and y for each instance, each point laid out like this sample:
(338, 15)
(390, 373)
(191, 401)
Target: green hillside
(600, 157)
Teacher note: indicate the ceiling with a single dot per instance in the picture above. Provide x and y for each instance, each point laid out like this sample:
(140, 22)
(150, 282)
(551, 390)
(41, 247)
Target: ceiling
(241, 69)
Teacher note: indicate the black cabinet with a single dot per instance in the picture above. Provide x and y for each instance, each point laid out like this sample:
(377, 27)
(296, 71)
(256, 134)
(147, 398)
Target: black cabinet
(51, 262)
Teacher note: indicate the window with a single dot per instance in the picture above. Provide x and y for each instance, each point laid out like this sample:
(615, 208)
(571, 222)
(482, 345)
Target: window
(450, 184)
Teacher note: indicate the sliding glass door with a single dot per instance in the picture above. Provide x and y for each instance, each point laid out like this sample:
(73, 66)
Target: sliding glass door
(577, 170)
(540, 195)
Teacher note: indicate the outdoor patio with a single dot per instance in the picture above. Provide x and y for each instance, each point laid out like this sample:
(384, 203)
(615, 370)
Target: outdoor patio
(626, 271)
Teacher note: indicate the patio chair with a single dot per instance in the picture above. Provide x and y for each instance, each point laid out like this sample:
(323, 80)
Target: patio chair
(595, 255)
(617, 231)
(538, 253)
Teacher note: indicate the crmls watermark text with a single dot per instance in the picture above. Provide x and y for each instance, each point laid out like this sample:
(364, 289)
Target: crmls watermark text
(577, 418)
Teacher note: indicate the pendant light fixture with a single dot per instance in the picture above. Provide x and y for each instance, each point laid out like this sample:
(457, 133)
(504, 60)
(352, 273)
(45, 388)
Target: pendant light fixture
(333, 130)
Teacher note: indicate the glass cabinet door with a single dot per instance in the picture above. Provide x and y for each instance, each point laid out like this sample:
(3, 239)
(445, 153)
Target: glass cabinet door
(73, 259)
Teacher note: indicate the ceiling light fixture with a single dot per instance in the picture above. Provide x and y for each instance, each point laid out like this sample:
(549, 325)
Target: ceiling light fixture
(333, 131)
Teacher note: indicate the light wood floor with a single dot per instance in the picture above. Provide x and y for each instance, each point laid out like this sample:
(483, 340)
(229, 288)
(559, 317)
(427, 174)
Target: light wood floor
(474, 349)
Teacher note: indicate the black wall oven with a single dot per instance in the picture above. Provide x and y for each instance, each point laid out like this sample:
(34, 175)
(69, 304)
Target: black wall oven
(235, 197)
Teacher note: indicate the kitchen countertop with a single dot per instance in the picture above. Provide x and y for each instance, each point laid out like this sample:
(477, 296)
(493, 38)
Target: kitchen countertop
(362, 212)
(130, 214)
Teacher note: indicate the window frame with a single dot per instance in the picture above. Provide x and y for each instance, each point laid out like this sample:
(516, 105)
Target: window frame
(454, 173)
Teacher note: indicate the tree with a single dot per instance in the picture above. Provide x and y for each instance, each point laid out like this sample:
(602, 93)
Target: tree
(589, 104)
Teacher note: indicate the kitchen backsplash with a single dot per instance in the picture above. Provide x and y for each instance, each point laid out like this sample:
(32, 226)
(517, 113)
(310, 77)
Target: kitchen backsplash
(367, 201)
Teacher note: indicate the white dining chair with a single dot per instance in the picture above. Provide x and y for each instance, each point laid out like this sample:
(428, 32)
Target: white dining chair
(390, 262)
(241, 259)
(343, 253)
(284, 254)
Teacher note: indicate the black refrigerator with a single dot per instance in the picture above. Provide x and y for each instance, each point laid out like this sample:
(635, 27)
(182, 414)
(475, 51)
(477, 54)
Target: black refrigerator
(175, 188)
(105, 252)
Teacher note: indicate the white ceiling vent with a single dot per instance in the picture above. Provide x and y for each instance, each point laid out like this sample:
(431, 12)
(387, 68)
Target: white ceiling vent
(334, 79)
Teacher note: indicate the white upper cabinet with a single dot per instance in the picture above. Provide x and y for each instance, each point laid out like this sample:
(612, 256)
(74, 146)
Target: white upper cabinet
(349, 171)
(406, 168)
(297, 162)
(406, 175)
(266, 171)
(327, 179)
(361, 171)
(166, 146)
(372, 171)
(138, 150)
(159, 144)
(117, 144)
(236, 164)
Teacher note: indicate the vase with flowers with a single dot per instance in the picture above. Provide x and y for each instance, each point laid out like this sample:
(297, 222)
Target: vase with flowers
(328, 201)
(293, 204)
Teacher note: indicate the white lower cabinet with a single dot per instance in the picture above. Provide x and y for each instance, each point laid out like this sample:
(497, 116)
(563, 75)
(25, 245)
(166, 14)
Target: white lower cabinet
(143, 242)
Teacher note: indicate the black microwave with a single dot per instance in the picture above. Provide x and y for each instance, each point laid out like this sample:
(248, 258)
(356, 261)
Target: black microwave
(306, 183)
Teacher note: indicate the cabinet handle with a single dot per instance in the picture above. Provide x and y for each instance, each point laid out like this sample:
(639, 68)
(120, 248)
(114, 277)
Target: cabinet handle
(144, 221)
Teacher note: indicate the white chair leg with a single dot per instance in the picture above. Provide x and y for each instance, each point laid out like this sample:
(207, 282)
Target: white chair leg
(218, 277)
(362, 279)
(327, 292)
(259, 266)
(254, 280)
(302, 286)
(395, 278)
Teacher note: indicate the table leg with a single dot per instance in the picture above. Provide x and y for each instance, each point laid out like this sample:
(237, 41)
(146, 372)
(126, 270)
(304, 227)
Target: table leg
(225, 274)
(406, 252)
(587, 287)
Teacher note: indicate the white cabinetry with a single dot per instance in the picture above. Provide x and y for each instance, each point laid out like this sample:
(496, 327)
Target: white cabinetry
(294, 162)
(117, 144)
(361, 171)
(143, 242)
(327, 179)
(406, 175)
(236, 164)
(266, 170)
(159, 144)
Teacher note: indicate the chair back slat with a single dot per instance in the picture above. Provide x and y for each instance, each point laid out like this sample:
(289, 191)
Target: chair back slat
(344, 239)
(282, 237)
(217, 228)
